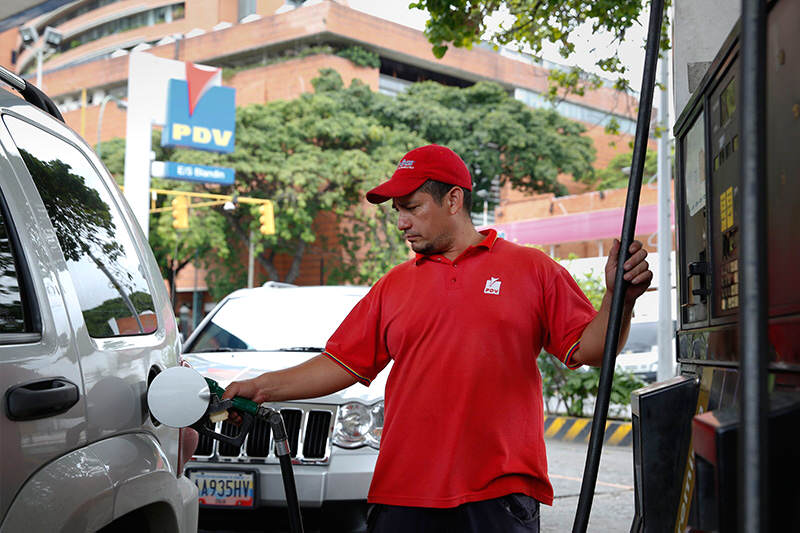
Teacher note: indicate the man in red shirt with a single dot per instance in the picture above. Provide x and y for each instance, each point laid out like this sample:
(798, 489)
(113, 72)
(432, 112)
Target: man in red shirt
(462, 447)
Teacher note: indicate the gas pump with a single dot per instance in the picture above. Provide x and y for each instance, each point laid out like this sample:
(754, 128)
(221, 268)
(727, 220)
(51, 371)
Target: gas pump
(180, 397)
(716, 447)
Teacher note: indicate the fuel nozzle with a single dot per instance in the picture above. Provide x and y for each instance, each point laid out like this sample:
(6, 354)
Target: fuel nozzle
(248, 409)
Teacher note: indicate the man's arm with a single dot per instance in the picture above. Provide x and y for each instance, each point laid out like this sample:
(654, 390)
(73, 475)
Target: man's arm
(316, 377)
(639, 276)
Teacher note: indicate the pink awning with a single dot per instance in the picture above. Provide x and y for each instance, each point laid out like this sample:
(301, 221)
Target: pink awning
(586, 226)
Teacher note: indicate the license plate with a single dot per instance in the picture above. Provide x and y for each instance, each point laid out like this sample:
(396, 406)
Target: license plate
(224, 488)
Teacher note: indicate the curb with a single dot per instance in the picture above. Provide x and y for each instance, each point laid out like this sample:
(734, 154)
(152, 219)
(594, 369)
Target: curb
(578, 430)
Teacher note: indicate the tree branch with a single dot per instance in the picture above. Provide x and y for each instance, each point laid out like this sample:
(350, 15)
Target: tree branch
(294, 270)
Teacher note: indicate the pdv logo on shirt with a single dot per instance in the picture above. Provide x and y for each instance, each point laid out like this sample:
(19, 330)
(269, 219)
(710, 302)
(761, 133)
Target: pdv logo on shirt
(200, 115)
(492, 286)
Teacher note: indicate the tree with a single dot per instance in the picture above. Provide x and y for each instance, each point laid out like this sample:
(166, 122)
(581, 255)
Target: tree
(617, 173)
(462, 23)
(320, 152)
(499, 137)
(86, 229)
(205, 239)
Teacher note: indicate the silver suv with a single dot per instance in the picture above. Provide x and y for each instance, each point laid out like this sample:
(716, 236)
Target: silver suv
(85, 322)
(334, 440)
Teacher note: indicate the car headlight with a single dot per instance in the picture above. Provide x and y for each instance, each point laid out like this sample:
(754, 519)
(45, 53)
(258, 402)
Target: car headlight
(358, 425)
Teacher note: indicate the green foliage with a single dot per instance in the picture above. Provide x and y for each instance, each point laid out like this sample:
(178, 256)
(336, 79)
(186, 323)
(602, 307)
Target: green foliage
(97, 317)
(593, 287)
(360, 56)
(113, 155)
(572, 388)
(575, 81)
(222, 278)
(356, 54)
(463, 23)
(320, 152)
(497, 136)
(613, 177)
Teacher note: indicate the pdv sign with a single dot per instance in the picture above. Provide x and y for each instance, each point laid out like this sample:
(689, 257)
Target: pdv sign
(200, 115)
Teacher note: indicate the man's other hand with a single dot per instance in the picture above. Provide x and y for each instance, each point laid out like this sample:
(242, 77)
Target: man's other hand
(637, 271)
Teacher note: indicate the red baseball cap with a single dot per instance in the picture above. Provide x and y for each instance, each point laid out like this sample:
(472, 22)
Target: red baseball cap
(432, 162)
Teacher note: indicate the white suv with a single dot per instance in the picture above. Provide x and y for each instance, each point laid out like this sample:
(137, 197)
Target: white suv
(85, 323)
(334, 440)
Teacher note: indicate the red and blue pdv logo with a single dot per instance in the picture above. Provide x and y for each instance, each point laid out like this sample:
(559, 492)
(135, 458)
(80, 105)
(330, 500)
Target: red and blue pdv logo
(200, 114)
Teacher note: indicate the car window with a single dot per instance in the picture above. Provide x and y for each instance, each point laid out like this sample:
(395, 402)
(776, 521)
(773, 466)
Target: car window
(12, 310)
(113, 293)
(642, 337)
(274, 320)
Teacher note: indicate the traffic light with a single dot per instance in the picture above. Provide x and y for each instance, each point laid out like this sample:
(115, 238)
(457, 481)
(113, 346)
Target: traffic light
(180, 212)
(266, 218)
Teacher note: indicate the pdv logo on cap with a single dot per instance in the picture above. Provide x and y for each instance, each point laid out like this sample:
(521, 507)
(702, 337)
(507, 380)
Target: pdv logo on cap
(431, 162)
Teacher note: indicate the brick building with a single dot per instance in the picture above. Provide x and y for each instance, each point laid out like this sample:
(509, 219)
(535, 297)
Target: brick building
(246, 36)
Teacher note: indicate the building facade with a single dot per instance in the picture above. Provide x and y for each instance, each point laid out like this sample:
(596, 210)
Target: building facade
(254, 41)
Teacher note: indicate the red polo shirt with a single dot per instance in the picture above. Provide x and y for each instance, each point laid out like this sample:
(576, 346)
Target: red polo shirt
(463, 417)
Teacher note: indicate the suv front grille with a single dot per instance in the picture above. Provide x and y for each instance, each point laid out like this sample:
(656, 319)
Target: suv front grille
(316, 422)
(317, 433)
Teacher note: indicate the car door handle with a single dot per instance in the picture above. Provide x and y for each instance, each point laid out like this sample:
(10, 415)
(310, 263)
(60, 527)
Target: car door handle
(41, 398)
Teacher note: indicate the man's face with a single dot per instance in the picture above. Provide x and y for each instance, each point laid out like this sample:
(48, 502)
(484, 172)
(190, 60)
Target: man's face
(425, 224)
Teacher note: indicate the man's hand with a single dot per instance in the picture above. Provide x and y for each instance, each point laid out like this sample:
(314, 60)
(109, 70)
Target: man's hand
(639, 276)
(319, 376)
(637, 271)
(248, 388)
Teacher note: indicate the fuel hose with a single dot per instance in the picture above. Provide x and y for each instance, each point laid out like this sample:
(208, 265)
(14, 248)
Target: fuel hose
(620, 285)
(284, 456)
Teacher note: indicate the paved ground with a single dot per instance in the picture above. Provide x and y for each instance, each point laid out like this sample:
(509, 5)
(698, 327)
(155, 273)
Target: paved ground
(612, 509)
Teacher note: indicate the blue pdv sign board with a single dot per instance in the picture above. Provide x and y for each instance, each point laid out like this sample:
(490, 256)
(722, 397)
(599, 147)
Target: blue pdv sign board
(199, 115)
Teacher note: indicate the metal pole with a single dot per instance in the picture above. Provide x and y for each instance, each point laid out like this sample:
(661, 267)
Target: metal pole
(250, 262)
(620, 285)
(195, 296)
(753, 348)
(106, 98)
(39, 54)
(665, 331)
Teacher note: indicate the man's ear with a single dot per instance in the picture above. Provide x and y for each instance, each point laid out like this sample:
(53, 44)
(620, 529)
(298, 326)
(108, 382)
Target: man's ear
(455, 200)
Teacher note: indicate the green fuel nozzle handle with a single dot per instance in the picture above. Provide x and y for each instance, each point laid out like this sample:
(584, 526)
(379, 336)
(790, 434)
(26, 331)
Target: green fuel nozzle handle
(240, 404)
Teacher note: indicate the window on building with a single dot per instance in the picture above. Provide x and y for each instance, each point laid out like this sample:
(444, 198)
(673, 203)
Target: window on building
(574, 111)
(80, 10)
(12, 306)
(246, 7)
(150, 17)
(102, 260)
(392, 86)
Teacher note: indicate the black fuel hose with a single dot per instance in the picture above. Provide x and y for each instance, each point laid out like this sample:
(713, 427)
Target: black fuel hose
(287, 473)
(620, 285)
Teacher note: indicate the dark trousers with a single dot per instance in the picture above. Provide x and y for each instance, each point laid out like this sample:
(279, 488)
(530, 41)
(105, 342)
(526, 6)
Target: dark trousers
(514, 513)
